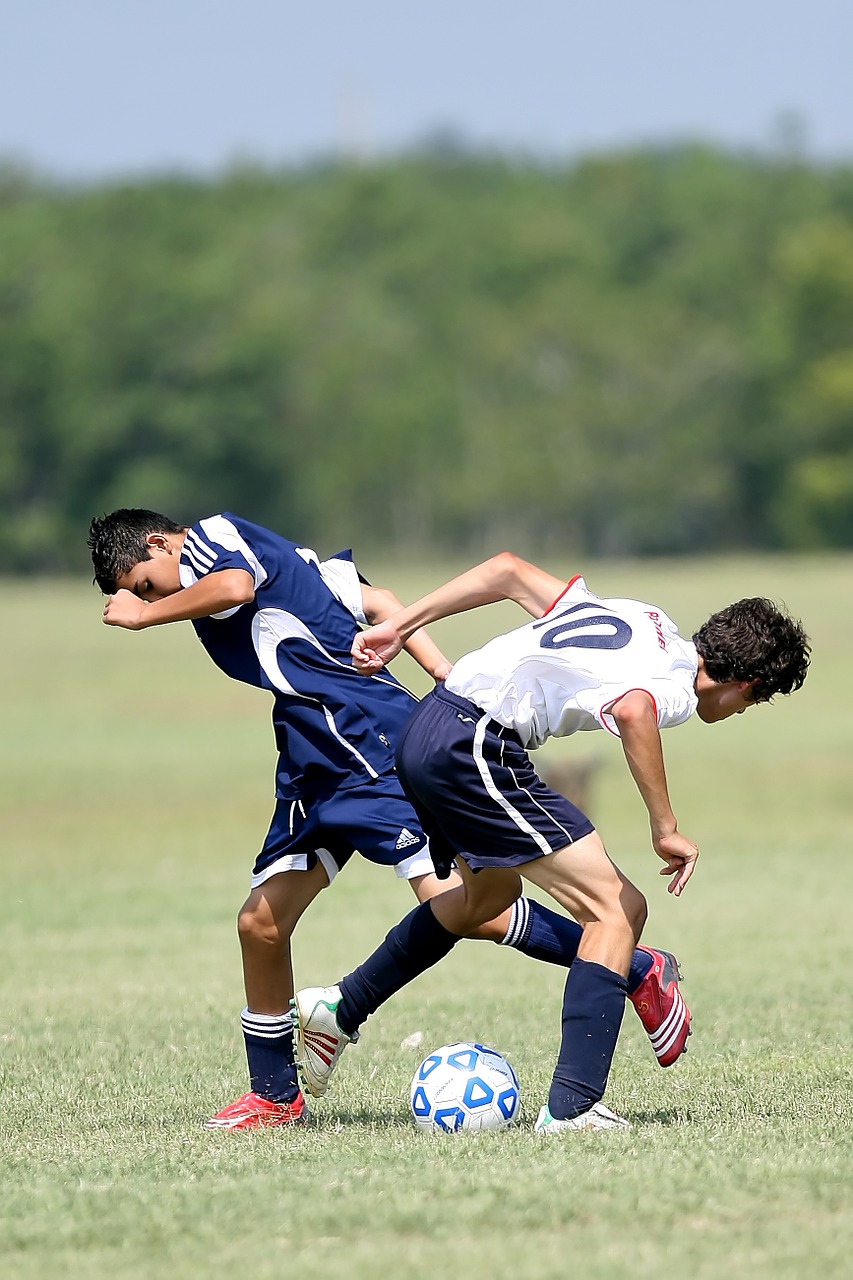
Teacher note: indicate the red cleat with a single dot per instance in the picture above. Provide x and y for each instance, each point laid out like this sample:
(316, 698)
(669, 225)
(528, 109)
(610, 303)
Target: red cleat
(254, 1112)
(661, 1008)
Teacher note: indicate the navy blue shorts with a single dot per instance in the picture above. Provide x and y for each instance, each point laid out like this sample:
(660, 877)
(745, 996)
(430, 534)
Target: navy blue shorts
(374, 819)
(476, 791)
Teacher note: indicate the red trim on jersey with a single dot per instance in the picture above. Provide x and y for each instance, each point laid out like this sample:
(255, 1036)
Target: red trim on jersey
(608, 709)
(571, 582)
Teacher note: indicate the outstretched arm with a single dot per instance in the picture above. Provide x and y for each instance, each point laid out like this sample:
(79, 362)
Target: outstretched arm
(635, 718)
(380, 604)
(503, 577)
(216, 592)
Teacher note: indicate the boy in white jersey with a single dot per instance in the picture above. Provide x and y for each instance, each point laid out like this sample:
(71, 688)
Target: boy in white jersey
(587, 663)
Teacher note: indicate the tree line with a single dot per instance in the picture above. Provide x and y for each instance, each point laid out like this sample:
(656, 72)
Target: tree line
(638, 353)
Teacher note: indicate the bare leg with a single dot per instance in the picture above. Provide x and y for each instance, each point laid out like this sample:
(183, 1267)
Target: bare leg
(265, 925)
(476, 900)
(584, 881)
(493, 930)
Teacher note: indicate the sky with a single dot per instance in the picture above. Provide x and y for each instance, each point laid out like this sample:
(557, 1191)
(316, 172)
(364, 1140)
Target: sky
(91, 90)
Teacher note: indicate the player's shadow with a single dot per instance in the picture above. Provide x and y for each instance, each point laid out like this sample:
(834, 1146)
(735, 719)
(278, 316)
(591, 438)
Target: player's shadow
(374, 1116)
(667, 1117)
(392, 1117)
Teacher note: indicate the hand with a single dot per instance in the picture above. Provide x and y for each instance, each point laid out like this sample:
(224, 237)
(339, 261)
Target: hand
(124, 609)
(441, 671)
(374, 648)
(680, 855)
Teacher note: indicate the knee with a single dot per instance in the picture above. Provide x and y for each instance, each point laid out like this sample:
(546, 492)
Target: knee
(482, 917)
(491, 931)
(636, 911)
(258, 929)
(624, 919)
(494, 927)
(459, 912)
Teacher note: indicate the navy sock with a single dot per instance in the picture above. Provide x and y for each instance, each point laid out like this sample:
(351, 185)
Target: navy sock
(537, 931)
(593, 1004)
(411, 947)
(269, 1050)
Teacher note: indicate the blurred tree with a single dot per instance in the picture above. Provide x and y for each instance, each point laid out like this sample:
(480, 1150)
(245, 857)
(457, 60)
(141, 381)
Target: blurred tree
(643, 353)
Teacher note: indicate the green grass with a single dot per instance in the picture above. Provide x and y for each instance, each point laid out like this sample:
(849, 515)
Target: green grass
(135, 788)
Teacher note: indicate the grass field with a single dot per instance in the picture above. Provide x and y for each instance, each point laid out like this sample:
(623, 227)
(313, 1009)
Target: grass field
(135, 789)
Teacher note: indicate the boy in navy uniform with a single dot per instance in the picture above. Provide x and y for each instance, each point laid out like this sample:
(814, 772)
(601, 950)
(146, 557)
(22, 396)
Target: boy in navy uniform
(271, 614)
(588, 663)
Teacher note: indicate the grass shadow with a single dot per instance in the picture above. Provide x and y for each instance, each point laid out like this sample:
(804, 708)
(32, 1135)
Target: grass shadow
(371, 1116)
(665, 1117)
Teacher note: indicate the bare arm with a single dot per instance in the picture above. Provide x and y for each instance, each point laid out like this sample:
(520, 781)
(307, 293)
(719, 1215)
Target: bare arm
(380, 604)
(635, 718)
(214, 593)
(503, 577)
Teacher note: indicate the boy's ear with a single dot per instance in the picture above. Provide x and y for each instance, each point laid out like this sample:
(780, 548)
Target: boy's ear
(158, 542)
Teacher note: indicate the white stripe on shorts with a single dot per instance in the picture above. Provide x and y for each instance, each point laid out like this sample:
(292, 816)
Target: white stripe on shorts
(540, 807)
(418, 864)
(489, 783)
(296, 862)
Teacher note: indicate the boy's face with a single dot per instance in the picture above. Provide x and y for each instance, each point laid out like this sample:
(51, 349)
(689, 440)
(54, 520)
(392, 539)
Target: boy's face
(719, 700)
(160, 576)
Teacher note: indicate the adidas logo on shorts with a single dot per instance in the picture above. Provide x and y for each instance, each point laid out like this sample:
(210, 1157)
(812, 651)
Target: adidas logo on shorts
(406, 838)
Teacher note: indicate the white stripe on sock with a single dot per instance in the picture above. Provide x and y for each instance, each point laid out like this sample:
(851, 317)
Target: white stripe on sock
(519, 919)
(267, 1026)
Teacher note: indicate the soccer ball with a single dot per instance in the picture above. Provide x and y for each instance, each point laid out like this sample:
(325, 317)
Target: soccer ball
(464, 1087)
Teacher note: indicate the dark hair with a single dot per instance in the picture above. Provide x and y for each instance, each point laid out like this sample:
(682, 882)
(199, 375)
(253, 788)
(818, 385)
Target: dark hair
(117, 542)
(755, 640)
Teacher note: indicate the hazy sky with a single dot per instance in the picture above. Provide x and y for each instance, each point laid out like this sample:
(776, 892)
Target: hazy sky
(96, 88)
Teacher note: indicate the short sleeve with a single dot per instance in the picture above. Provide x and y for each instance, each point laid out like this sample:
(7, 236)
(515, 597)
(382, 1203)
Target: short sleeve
(215, 544)
(674, 702)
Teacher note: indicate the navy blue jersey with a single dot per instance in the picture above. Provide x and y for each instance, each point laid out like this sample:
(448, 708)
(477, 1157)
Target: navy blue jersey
(333, 727)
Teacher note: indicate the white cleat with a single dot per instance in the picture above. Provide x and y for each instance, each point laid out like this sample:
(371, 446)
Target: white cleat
(319, 1041)
(598, 1117)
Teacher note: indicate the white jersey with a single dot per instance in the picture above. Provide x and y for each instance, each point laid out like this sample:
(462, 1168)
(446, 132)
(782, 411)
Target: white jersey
(564, 672)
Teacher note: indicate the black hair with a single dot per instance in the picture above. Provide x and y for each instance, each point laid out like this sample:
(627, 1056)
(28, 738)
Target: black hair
(754, 639)
(117, 542)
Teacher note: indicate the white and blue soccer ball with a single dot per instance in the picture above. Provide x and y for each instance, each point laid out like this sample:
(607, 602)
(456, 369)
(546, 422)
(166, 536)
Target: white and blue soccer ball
(464, 1087)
